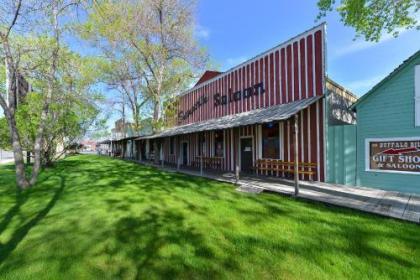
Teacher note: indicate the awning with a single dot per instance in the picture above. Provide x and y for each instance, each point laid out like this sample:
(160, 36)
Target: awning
(259, 116)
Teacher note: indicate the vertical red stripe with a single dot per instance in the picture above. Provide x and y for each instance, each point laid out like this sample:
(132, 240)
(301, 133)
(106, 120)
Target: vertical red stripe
(267, 85)
(302, 68)
(243, 100)
(289, 73)
(277, 78)
(248, 84)
(235, 103)
(310, 65)
(271, 79)
(283, 76)
(296, 71)
(318, 63)
(261, 79)
(257, 80)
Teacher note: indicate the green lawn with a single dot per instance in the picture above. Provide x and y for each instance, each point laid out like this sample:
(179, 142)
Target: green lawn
(99, 218)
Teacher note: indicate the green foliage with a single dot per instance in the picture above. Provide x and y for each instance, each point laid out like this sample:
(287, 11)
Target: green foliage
(97, 218)
(73, 107)
(371, 18)
(150, 42)
(4, 135)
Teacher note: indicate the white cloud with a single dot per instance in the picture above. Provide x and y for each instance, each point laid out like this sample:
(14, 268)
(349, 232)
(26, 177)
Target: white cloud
(360, 45)
(202, 32)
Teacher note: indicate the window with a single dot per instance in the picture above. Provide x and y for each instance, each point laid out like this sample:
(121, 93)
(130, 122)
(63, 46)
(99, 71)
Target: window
(270, 141)
(172, 145)
(417, 94)
(218, 143)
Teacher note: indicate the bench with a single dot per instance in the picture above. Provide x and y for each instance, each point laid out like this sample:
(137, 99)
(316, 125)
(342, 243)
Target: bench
(278, 167)
(208, 162)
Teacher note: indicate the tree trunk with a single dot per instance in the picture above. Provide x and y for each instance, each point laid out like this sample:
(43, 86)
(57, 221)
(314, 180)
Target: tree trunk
(45, 109)
(156, 113)
(21, 180)
(39, 139)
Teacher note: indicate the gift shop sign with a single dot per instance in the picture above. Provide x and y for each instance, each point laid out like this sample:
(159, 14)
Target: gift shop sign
(393, 155)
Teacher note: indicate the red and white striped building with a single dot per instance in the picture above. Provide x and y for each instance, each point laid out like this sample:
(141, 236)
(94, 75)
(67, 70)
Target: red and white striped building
(290, 73)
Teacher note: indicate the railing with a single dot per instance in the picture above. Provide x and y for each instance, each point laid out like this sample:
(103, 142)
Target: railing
(208, 162)
(276, 167)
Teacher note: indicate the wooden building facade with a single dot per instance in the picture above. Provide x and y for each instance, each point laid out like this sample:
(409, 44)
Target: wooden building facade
(215, 117)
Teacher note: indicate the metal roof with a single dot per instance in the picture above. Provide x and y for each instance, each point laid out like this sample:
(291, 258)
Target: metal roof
(264, 115)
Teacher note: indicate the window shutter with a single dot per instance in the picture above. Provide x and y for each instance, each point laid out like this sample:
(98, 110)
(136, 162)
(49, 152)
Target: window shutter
(417, 94)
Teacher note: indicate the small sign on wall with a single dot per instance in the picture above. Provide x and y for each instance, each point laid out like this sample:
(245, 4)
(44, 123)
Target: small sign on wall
(393, 155)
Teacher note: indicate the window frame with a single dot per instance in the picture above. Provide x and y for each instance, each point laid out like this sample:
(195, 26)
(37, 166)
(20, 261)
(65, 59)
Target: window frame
(279, 156)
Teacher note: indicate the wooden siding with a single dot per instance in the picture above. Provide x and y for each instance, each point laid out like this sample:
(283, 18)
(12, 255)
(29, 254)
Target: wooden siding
(388, 112)
(289, 72)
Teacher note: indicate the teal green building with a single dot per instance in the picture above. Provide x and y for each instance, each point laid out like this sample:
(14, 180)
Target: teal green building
(389, 115)
(381, 149)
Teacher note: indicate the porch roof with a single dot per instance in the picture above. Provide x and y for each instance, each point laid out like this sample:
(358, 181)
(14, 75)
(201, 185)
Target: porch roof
(258, 116)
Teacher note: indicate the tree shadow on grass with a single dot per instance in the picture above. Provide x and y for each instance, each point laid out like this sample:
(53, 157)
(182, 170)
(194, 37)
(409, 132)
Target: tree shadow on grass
(19, 234)
(159, 242)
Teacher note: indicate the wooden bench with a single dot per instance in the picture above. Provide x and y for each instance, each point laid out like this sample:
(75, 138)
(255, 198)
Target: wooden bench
(208, 162)
(276, 167)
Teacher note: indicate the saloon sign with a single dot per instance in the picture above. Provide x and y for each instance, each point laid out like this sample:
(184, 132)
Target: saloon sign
(220, 99)
(256, 89)
(396, 155)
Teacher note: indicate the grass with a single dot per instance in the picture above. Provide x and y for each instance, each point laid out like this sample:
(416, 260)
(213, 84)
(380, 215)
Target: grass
(99, 218)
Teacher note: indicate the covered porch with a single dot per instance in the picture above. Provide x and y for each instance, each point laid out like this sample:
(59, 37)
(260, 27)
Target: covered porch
(272, 142)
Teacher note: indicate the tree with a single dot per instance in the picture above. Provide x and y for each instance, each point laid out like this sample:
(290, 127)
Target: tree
(119, 71)
(371, 18)
(159, 37)
(44, 22)
(10, 13)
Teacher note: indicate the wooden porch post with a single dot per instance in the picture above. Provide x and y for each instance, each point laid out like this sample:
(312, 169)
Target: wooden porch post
(296, 130)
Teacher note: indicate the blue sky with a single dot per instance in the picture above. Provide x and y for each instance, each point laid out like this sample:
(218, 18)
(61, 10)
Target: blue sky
(234, 31)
